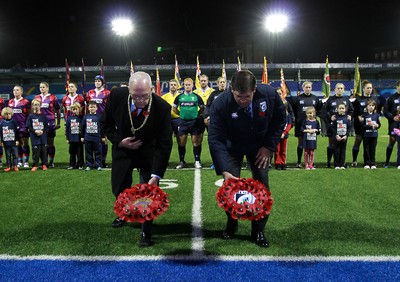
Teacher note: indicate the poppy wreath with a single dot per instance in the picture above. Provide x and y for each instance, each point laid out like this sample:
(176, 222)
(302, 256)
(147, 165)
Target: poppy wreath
(140, 203)
(245, 199)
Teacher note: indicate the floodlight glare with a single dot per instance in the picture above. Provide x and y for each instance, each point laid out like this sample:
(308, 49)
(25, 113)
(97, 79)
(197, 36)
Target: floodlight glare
(122, 27)
(276, 23)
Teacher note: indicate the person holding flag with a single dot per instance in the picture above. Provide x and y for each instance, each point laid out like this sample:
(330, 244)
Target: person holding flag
(100, 95)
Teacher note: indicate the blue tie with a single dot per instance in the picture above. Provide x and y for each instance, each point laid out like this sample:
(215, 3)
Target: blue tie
(248, 112)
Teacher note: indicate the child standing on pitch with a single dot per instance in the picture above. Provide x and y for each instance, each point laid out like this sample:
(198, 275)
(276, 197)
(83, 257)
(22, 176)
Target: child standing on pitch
(37, 124)
(73, 133)
(310, 128)
(92, 137)
(371, 123)
(340, 129)
(9, 137)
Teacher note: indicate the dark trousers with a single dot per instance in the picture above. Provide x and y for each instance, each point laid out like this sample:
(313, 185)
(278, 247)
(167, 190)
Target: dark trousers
(339, 148)
(11, 155)
(76, 154)
(260, 174)
(39, 151)
(93, 153)
(123, 165)
(370, 150)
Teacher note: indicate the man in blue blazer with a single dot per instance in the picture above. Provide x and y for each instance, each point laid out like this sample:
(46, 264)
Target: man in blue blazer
(246, 120)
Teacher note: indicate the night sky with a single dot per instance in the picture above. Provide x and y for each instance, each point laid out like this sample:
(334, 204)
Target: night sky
(39, 32)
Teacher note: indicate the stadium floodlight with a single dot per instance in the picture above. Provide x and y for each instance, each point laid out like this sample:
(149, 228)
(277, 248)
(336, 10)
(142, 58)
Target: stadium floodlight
(276, 23)
(122, 27)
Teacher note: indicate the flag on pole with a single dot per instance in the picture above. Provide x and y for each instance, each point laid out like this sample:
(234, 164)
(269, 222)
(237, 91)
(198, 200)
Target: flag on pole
(284, 88)
(298, 83)
(239, 65)
(158, 83)
(198, 73)
(83, 82)
(265, 73)
(67, 76)
(223, 74)
(177, 77)
(102, 73)
(357, 81)
(326, 81)
(131, 70)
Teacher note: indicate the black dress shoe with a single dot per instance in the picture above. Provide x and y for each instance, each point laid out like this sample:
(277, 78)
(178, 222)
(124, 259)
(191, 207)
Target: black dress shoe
(118, 223)
(145, 240)
(261, 240)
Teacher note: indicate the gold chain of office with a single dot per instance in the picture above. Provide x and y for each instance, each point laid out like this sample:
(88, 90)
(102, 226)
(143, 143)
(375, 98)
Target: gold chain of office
(146, 117)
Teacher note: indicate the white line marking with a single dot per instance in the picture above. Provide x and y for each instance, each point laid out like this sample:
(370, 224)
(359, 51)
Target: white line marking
(209, 257)
(197, 221)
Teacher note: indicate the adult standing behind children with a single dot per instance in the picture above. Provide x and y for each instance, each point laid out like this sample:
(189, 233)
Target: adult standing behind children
(21, 109)
(392, 113)
(71, 98)
(138, 124)
(245, 121)
(51, 108)
(299, 105)
(100, 95)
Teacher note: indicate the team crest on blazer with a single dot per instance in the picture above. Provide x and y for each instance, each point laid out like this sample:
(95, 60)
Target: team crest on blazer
(234, 115)
(263, 108)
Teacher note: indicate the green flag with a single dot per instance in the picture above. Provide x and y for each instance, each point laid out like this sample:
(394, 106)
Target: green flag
(326, 82)
(357, 81)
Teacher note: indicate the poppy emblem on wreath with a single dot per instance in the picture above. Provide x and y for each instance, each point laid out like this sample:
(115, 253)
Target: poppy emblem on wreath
(245, 199)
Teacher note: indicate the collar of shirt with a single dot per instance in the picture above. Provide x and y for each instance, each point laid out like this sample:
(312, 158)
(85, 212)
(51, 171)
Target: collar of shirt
(133, 108)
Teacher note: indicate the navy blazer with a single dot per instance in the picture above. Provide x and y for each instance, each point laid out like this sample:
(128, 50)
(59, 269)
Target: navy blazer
(153, 155)
(231, 129)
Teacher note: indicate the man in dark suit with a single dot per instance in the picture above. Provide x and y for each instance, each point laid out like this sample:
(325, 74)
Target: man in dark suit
(245, 121)
(138, 124)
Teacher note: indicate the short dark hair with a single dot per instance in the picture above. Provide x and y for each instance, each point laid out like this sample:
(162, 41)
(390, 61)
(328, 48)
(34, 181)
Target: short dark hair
(243, 81)
(91, 102)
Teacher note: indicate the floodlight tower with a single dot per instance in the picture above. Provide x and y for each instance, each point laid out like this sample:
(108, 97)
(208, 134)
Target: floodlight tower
(275, 24)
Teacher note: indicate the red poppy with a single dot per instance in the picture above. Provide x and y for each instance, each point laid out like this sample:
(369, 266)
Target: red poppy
(261, 114)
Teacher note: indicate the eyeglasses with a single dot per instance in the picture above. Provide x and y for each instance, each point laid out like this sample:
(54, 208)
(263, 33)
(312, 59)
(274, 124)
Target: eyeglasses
(140, 98)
